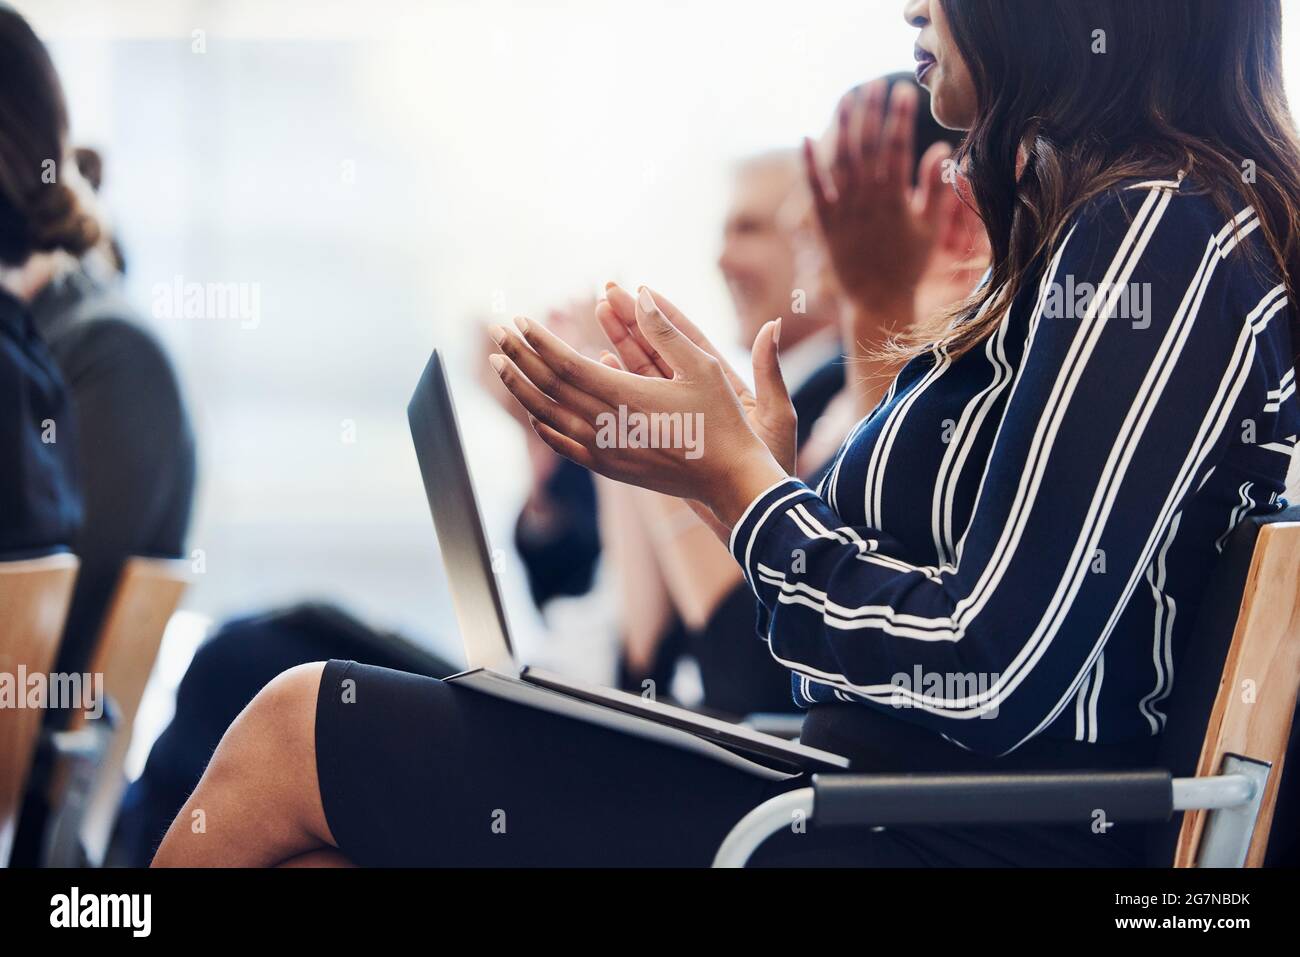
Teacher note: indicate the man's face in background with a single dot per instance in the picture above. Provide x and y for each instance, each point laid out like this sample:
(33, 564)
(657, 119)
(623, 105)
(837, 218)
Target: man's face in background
(758, 252)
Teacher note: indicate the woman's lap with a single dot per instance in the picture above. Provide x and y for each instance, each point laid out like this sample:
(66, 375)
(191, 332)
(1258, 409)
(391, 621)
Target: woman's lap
(415, 771)
(418, 772)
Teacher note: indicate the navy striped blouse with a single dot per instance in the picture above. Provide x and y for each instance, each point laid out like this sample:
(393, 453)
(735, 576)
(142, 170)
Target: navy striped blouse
(1013, 543)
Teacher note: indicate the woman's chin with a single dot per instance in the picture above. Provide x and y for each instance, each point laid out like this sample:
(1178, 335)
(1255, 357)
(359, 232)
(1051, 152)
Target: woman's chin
(947, 113)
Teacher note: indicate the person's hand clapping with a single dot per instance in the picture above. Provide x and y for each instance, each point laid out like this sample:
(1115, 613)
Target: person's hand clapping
(579, 407)
(768, 408)
(880, 231)
(575, 323)
(958, 259)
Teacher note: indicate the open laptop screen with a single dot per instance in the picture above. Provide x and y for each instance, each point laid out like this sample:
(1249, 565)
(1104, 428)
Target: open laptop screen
(458, 522)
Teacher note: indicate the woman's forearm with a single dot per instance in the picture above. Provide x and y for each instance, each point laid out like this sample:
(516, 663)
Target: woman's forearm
(638, 578)
(697, 568)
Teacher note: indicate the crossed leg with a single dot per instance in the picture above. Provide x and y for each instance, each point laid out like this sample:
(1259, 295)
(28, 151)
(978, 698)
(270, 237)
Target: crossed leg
(258, 803)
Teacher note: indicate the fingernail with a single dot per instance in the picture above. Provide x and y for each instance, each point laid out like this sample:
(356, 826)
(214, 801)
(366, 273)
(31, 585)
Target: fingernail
(610, 285)
(497, 362)
(498, 334)
(776, 333)
(522, 323)
(645, 300)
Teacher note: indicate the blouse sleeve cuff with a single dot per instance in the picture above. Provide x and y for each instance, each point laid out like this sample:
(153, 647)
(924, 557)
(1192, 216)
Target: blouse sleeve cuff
(763, 512)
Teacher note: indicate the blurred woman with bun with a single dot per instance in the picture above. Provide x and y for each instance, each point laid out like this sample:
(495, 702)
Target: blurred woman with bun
(132, 447)
(40, 510)
(134, 444)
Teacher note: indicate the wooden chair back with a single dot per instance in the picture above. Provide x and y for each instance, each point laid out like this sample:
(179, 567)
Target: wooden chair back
(1256, 699)
(34, 598)
(144, 601)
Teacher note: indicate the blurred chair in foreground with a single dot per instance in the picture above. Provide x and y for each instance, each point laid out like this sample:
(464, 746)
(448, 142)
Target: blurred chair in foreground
(85, 805)
(34, 597)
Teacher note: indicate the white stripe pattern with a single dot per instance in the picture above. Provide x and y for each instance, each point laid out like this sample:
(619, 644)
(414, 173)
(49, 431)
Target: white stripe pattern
(1003, 600)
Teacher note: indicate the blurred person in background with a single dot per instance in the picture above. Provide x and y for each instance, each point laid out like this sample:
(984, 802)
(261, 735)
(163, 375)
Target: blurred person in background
(677, 585)
(42, 216)
(758, 264)
(831, 237)
(40, 498)
(556, 531)
(135, 441)
(107, 260)
(133, 444)
(779, 260)
(569, 538)
(40, 501)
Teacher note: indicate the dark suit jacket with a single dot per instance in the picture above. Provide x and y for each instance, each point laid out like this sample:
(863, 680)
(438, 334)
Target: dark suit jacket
(40, 509)
(134, 445)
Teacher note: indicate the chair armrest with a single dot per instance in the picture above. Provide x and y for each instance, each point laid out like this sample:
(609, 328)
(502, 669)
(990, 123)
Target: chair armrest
(838, 800)
(1023, 798)
(87, 743)
(959, 799)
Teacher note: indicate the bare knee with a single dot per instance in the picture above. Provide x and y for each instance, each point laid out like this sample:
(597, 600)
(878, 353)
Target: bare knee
(286, 704)
(269, 752)
(259, 795)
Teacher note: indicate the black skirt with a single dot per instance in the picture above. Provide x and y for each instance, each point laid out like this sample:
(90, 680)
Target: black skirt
(418, 772)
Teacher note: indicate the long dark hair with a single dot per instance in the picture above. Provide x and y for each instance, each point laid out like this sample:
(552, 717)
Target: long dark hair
(1098, 91)
(39, 211)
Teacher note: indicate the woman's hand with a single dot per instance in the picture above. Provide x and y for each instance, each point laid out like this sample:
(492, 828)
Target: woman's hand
(686, 436)
(959, 258)
(770, 413)
(879, 230)
(575, 323)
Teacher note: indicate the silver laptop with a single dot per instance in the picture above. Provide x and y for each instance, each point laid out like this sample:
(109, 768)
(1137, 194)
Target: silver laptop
(492, 666)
